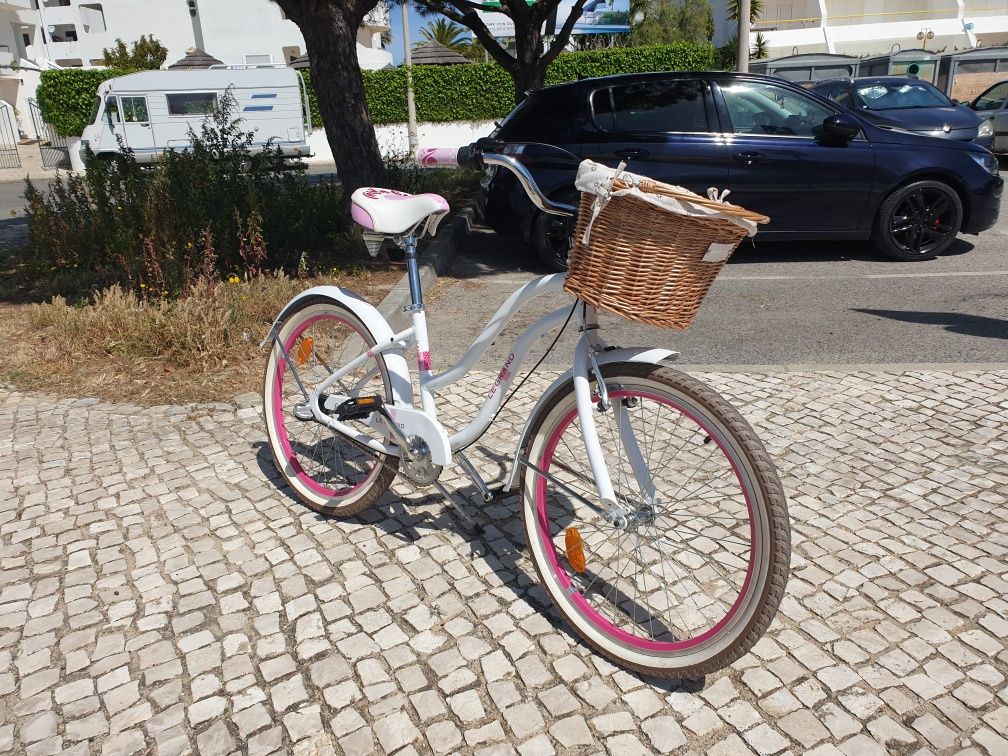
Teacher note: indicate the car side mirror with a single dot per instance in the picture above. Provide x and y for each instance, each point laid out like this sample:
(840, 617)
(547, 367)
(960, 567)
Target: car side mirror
(841, 126)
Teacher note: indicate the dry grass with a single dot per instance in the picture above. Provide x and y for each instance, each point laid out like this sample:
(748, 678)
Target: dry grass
(201, 347)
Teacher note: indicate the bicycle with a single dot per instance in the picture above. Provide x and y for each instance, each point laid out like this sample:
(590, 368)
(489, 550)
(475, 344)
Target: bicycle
(653, 514)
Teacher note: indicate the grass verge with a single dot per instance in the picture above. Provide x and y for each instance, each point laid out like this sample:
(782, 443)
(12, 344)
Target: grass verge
(200, 347)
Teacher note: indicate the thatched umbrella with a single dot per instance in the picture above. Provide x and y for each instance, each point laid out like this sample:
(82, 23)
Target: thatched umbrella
(300, 62)
(196, 58)
(433, 53)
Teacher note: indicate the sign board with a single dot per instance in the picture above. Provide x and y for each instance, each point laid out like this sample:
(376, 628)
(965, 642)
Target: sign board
(597, 17)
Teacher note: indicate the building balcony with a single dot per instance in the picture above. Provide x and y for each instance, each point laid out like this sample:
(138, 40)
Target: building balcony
(854, 13)
(377, 19)
(371, 59)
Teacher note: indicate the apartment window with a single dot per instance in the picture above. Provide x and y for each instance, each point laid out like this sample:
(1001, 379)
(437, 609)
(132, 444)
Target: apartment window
(63, 33)
(191, 103)
(134, 110)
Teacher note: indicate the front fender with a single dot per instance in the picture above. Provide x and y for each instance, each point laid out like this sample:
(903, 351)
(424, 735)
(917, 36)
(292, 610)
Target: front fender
(381, 332)
(629, 354)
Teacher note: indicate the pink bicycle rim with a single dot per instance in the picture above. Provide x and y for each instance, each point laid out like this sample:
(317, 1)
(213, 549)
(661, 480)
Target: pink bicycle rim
(278, 417)
(563, 578)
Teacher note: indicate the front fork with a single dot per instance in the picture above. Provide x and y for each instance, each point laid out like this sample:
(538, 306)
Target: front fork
(584, 364)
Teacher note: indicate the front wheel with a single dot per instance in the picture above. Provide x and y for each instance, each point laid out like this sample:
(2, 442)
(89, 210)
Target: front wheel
(685, 573)
(918, 221)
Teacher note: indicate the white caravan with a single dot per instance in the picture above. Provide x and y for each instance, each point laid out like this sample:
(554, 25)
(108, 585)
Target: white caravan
(153, 111)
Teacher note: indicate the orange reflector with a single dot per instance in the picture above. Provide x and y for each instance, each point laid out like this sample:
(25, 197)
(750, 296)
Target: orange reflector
(575, 550)
(304, 351)
(367, 401)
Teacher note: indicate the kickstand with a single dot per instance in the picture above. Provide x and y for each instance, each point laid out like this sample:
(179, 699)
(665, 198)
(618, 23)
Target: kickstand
(470, 524)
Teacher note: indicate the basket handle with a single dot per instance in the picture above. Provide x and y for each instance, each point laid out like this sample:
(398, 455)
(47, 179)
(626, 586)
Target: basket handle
(650, 186)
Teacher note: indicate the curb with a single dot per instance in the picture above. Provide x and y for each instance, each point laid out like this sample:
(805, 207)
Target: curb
(434, 261)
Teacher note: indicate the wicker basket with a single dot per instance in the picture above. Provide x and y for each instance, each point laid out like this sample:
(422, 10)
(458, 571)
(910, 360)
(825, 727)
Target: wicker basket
(645, 263)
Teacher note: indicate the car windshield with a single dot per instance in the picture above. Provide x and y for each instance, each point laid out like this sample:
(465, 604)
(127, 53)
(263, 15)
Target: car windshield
(94, 110)
(900, 95)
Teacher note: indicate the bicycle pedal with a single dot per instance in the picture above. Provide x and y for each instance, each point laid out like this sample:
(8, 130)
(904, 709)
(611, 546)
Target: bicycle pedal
(358, 408)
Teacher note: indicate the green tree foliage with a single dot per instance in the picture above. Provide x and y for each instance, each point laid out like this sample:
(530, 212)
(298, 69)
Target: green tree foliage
(665, 21)
(451, 35)
(755, 10)
(146, 54)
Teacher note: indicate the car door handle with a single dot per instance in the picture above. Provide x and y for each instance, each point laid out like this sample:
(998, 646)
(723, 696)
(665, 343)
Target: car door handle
(632, 154)
(749, 157)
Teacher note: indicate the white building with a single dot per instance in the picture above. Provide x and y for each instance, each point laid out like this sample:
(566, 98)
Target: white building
(868, 27)
(39, 34)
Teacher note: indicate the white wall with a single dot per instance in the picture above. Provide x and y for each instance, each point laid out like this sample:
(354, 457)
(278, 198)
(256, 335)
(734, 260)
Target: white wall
(393, 140)
(231, 29)
(257, 28)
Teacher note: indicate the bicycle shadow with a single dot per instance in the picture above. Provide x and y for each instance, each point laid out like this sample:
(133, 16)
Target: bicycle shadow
(492, 530)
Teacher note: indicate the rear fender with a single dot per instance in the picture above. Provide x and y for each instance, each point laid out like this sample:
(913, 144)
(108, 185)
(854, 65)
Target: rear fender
(381, 332)
(565, 383)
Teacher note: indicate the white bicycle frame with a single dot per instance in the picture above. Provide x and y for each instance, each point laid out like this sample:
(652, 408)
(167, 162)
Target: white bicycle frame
(590, 355)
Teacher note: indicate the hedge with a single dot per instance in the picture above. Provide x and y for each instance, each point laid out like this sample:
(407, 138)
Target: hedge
(67, 96)
(473, 92)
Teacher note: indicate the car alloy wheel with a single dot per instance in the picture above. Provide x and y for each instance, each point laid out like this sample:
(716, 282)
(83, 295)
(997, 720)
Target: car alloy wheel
(918, 221)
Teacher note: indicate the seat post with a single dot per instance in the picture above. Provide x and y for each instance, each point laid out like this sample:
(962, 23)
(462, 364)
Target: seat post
(413, 271)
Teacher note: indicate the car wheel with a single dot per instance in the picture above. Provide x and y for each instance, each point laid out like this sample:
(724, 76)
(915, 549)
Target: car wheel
(918, 221)
(551, 236)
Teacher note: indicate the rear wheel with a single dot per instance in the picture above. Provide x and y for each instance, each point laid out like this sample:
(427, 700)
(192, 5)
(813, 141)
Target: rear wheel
(918, 221)
(687, 572)
(327, 471)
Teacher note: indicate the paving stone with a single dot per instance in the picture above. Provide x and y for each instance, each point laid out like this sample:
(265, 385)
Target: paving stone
(572, 731)
(155, 577)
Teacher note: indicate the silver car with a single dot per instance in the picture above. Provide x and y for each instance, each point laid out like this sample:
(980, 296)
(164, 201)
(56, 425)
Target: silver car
(992, 106)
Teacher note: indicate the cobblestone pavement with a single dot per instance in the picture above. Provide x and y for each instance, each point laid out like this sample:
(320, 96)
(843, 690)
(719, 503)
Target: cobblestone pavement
(159, 593)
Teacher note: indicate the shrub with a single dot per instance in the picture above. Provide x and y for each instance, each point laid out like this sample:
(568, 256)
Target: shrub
(473, 92)
(212, 210)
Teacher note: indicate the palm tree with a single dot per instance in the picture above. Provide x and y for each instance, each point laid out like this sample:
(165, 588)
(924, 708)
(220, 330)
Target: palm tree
(448, 33)
(760, 48)
(755, 10)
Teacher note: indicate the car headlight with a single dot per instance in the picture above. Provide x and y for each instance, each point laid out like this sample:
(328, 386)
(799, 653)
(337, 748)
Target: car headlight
(986, 128)
(986, 161)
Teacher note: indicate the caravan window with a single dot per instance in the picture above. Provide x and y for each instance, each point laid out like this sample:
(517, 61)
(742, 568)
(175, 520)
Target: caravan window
(192, 103)
(134, 109)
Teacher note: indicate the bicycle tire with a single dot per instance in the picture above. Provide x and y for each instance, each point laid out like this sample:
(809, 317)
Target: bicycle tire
(306, 474)
(670, 652)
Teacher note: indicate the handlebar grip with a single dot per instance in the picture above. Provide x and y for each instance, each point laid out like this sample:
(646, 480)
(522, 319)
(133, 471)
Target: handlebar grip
(449, 157)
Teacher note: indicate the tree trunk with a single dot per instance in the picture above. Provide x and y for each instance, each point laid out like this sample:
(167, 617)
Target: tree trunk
(530, 73)
(332, 41)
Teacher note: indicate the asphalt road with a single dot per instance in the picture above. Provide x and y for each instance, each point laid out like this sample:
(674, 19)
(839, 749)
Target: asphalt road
(786, 304)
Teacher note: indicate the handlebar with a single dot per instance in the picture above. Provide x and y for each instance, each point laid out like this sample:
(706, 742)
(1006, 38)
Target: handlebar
(483, 153)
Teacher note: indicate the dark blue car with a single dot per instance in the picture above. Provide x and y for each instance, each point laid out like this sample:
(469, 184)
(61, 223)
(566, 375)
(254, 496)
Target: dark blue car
(818, 170)
(902, 102)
